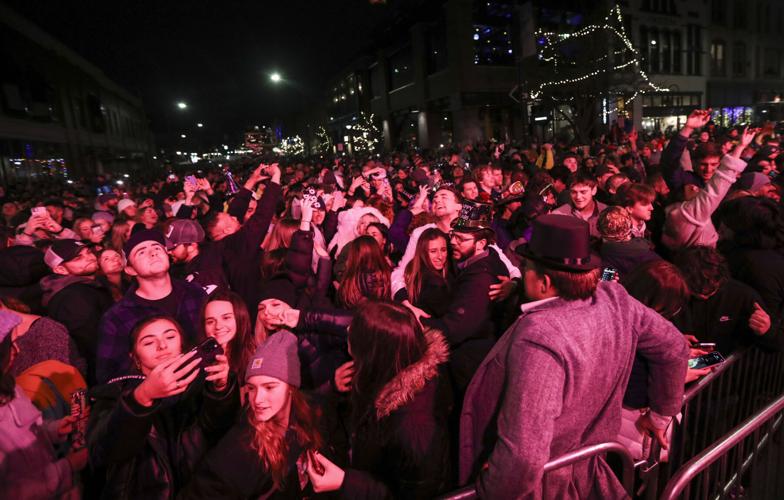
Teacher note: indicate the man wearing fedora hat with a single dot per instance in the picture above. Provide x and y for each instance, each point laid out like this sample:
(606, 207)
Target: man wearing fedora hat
(555, 381)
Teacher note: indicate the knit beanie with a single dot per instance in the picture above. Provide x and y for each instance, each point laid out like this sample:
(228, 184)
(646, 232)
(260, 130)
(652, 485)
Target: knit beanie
(276, 357)
(141, 236)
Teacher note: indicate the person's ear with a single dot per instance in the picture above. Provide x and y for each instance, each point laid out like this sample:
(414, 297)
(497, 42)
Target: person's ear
(593, 191)
(130, 271)
(545, 284)
(60, 270)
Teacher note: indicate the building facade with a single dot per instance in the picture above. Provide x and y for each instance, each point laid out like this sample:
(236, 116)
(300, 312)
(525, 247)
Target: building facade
(455, 75)
(60, 114)
(721, 54)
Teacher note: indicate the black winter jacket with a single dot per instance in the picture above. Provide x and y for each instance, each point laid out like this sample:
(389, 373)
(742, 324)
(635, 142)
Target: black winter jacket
(78, 303)
(468, 323)
(402, 449)
(626, 256)
(151, 452)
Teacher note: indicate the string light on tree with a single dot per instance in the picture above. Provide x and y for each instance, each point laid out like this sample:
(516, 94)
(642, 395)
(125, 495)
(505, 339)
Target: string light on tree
(291, 146)
(365, 134)
(617, 59)
(324, 141)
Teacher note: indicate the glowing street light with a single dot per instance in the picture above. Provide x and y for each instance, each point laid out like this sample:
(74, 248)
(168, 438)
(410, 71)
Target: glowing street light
(182, 105)
(275, 77)
(183, 136)
(200, 125)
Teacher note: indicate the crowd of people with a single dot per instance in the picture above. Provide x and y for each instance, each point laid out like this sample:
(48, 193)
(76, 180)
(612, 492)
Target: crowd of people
(389, 326)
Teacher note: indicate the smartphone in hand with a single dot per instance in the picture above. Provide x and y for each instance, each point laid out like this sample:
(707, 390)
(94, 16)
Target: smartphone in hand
(706, 360)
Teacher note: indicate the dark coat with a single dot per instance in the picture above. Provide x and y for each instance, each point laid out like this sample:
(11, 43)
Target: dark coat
(468, 323)
(321, 344)
(763, 270)
(436, 293)
(625, 256)
(233, 469)
(78, 303)
(240, 253)
(151, 452)
(723, 318)
(402, 449)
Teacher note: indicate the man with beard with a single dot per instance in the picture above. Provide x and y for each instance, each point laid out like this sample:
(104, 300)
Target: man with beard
(74, 297)
(446, 208)
(468, 322)
(154, 293)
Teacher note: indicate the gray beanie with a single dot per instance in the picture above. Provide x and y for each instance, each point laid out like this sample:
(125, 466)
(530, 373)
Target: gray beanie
(276, 357)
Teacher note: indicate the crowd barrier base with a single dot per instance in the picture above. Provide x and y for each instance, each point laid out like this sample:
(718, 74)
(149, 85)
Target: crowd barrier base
(613, 447)
(745, 463)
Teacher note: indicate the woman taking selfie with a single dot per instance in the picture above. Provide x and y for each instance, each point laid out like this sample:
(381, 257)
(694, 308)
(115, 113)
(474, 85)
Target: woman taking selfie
(225, 318)
(150, 428)
(259, 457)
(399, 407)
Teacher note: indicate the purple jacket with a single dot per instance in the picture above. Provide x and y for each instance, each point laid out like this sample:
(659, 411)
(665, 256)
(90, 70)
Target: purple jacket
(116, 325)
(554, 383)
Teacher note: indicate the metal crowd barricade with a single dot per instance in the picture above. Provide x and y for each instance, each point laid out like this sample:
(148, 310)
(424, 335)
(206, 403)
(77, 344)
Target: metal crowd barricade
(578, 455)
(745, 383)
(746, 463)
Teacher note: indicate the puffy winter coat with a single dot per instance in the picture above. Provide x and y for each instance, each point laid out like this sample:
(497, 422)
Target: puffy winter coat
(151, 452)
(402, 450)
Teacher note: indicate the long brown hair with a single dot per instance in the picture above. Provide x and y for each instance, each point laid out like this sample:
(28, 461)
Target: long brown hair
(416, 268)
(385, 338)
(659, 285)
(367, 273)
(119, 235)
(243, 345)
(280, 236)
(269, 438)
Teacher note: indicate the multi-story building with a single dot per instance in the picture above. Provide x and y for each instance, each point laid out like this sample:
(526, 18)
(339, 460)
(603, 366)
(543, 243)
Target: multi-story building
(60, 113)
(450, 74)
(721, 54)
(445, 76)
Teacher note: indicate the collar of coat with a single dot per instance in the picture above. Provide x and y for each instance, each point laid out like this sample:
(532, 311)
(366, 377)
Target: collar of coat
(405, 385)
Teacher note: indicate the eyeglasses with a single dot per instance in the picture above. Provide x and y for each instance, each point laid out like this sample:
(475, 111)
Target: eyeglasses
(460, 239)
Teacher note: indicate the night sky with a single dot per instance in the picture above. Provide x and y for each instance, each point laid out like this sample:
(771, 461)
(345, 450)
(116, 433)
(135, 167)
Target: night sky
(216, 55)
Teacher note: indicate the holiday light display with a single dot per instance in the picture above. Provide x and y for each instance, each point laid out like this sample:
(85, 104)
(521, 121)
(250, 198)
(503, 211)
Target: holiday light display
(323, 140)
(365, 134)
(291, 146)
(617, 64)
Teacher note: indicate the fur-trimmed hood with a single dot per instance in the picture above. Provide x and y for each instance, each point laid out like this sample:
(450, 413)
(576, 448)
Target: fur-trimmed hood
(402, 389)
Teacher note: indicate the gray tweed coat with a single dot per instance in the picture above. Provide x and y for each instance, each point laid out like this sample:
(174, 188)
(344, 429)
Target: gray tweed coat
(554, 383)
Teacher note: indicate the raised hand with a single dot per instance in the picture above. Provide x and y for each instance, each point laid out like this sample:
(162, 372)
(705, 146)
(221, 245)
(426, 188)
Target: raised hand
(698, 118)
(167, 380)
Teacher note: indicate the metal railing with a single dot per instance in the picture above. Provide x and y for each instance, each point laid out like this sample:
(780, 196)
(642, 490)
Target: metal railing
(578, 455)
(713, 406)
(726, 468)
